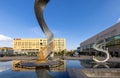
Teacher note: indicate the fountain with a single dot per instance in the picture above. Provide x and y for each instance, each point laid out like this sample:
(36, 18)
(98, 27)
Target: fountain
(41, 71)
(44, 56)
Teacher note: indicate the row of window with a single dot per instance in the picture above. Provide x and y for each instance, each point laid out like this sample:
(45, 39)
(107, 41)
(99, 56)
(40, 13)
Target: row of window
(115, 40)
(30, 49)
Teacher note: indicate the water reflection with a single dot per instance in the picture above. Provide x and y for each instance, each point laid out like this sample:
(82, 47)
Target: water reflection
(92, 64)
(56, 71)
(102, 65)
(5, 66)
(41, 71)
(74, 64)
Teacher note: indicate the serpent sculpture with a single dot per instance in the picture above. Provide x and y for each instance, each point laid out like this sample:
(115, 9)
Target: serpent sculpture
(47, 50)
(99, 47)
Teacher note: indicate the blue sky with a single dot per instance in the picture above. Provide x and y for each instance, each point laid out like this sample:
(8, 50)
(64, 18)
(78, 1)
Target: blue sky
(75, 20)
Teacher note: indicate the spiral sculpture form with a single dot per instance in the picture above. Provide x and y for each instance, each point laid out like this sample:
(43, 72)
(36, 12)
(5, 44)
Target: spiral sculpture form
(99, 47)
(47, 50)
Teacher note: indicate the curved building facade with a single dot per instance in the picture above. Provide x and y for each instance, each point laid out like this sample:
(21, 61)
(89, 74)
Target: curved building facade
(111, 36)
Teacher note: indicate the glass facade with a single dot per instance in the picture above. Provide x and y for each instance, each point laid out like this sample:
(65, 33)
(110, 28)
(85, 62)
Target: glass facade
(113, 41)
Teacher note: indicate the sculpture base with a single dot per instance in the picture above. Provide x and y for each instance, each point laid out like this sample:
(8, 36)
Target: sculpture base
(41, 60)
(39, 63)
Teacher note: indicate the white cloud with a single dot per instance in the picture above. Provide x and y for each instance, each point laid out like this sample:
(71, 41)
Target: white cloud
(118, 20)
(5, 38)
(5, 41)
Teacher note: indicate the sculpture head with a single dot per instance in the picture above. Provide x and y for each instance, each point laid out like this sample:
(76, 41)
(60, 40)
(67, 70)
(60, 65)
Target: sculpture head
(42, 1)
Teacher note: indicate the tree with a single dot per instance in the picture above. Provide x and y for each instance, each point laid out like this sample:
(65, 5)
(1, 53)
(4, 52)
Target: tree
(62, 52)
(55, 53)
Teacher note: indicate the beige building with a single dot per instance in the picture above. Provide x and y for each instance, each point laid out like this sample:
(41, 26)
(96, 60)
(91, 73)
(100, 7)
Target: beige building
(21, 45)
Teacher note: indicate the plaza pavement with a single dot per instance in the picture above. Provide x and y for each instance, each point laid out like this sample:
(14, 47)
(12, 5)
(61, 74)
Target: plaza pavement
(16, 58)
(65, 57)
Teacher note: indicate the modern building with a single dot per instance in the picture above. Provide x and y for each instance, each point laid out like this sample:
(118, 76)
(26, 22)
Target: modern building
(21, 45)
(110, 36)
(6, 50)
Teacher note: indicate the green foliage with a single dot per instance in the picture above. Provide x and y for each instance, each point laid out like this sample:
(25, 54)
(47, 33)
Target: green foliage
(69, 53)
(32, 54)
(61, 53)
